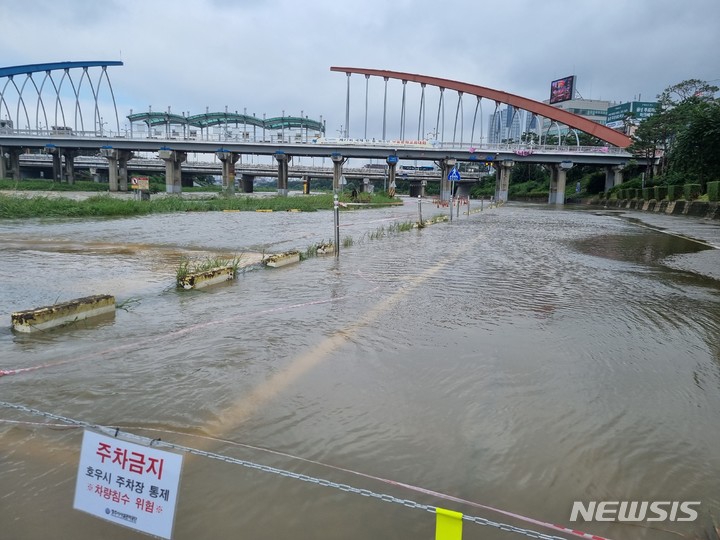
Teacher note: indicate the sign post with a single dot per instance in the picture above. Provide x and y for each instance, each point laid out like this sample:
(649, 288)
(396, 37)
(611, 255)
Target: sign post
(128, 484)
(336, 220)
(141, 185)
(454, 176)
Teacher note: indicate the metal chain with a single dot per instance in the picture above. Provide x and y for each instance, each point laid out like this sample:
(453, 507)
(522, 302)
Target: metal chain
(115, 432)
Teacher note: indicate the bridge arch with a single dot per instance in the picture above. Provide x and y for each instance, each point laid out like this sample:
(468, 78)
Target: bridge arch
(536, 107)
(48, 69)
(209, 119)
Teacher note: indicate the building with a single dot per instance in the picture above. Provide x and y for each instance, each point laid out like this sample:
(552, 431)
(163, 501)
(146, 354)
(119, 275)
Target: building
(508, 125)
(626, 116)
(592, 109)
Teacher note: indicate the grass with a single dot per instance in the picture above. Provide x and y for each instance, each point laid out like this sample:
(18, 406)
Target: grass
(394, 228)
(313, 250)
(187, 267)
(49, 185)
(12, 207)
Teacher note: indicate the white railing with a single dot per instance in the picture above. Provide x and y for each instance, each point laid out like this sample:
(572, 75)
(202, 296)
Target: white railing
(520, 149)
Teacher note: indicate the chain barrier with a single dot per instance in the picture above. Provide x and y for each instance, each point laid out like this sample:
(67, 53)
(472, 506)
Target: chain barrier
(384, 497)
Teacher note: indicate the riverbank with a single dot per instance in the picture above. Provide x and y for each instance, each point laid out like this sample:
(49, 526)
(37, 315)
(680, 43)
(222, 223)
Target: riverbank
(698, 229)
(29, 204)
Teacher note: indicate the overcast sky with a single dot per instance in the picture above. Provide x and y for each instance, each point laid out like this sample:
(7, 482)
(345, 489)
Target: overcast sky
(273, 55)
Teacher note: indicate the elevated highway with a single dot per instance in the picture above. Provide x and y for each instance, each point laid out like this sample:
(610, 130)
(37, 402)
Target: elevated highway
(118, 153)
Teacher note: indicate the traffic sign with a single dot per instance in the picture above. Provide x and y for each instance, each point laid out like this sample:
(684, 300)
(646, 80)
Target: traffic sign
(454, 175)
(128, 484)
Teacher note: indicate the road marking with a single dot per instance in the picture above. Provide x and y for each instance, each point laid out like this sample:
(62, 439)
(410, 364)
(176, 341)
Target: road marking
(249, 404)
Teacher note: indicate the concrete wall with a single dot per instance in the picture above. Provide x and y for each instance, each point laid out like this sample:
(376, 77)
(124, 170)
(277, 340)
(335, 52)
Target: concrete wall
(708, 210)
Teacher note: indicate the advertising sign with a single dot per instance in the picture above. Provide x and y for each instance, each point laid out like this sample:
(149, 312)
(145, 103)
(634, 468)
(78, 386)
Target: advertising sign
(562, 89)
(128, 484)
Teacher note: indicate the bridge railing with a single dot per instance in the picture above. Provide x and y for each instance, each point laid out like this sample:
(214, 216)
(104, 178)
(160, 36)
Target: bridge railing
(478, 149)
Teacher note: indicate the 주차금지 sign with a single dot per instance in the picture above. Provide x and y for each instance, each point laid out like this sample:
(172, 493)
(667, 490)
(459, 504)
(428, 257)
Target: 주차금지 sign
(128, 484)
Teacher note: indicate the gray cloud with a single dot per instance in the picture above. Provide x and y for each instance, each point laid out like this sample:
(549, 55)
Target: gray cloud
(274, 55)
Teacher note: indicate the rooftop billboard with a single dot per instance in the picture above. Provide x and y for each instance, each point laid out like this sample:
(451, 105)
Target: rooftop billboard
(562, 89)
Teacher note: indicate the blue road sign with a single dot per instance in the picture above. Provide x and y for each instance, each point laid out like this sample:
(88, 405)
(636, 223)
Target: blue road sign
(454, 175)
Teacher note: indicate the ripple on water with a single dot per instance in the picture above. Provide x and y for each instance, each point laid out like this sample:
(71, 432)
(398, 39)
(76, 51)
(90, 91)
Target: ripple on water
(524, 358)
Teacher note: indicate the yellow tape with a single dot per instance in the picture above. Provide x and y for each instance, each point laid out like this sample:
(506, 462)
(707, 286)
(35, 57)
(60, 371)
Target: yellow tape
(448, 525)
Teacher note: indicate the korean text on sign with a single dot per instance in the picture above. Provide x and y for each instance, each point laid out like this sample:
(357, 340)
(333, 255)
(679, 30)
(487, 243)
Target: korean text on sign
(128, 484)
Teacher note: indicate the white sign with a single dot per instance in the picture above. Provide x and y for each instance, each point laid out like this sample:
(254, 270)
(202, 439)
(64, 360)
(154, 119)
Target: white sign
(128, 484)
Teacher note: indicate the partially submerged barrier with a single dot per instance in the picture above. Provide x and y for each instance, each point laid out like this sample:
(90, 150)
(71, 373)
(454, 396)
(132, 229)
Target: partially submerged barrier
(281, 259)
(43, 318)
(199, 280)
(709, 210)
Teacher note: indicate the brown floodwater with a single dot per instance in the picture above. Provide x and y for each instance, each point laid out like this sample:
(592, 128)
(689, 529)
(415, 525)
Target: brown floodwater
(522, 358)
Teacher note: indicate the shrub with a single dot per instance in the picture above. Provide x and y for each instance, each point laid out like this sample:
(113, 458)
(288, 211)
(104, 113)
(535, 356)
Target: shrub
(692, 191)
(660, 192)
(673, 192)
(713, 191)
(648, 193)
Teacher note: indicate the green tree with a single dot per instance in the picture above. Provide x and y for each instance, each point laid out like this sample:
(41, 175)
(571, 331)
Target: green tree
(696, 152)
(681, 92)
(681, 107)
(648, 141)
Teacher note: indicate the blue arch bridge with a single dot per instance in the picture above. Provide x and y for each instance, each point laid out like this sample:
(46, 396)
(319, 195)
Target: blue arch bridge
(56, 109)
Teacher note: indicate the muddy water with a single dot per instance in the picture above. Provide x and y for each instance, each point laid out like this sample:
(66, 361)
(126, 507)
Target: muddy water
(522, 357)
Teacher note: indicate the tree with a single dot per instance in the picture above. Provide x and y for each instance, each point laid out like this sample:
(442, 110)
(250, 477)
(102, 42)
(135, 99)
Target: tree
(683, 91)
(696, 152)
(647, 141)
(680, 107)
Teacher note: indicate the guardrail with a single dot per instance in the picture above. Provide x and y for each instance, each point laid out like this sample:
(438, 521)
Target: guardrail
(520, 149)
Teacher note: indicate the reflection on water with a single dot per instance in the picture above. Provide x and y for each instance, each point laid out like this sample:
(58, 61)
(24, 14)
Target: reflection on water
(522, 358)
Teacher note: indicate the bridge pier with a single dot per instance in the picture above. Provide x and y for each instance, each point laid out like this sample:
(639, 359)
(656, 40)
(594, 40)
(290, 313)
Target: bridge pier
(247, 183)
(123, 156)
(57, 168)
(463, 190)
(417, 188)
(502, 179)
(392, 169)
(306, 184)
(446, 166)
(14, 157)
(338, 162)
(229, 159)
(557, 184)
(173, 175)
(613, 176)
(70, 155)
(117, 168)
(283, 161)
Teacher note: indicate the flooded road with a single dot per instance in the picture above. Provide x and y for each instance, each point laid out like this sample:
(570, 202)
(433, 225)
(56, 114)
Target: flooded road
(522, 358)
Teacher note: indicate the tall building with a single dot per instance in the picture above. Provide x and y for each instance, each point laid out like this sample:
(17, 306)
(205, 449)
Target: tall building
(592, 109)
(508, 124)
